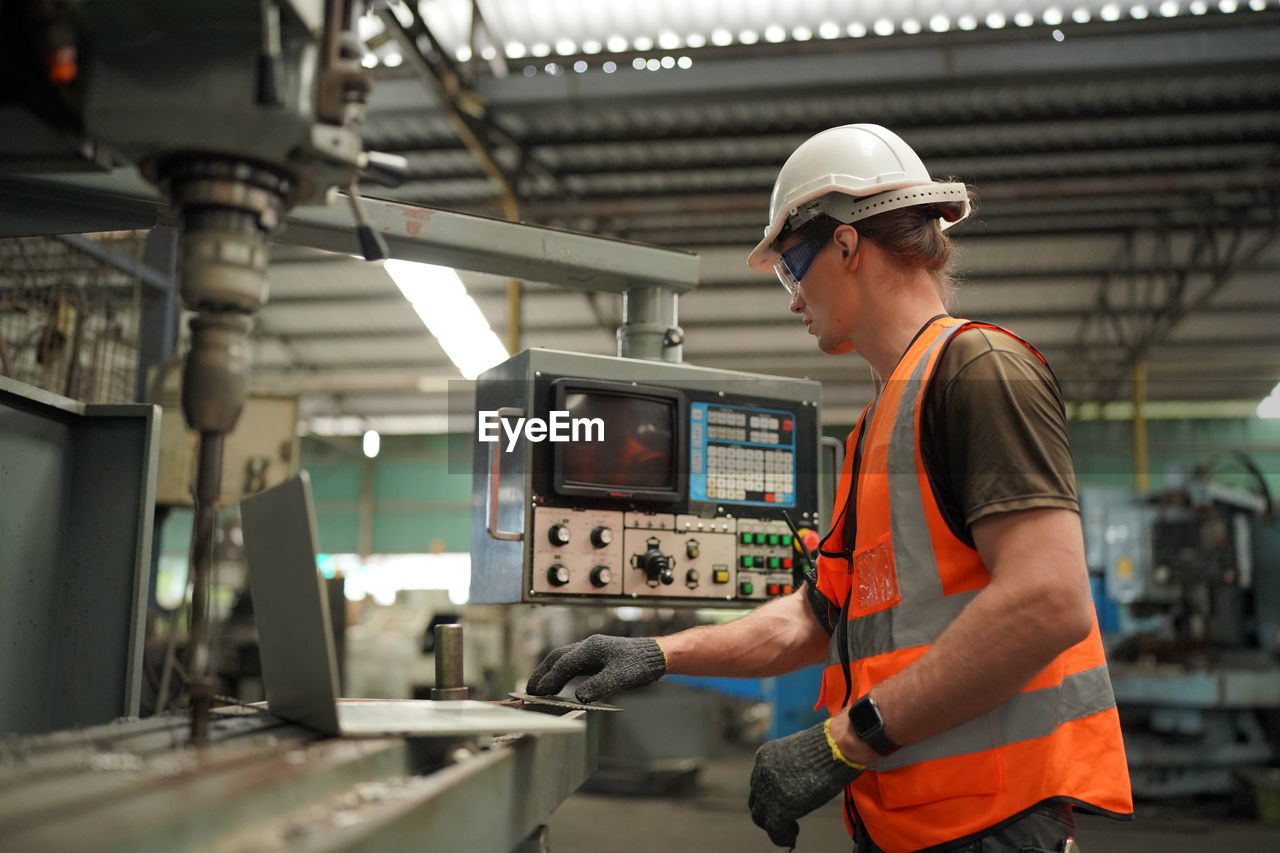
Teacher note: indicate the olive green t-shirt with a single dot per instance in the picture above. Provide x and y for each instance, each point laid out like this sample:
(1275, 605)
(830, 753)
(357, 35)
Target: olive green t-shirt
(994, 431)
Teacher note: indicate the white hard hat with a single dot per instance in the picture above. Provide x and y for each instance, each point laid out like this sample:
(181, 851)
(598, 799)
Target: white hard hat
(849, 172)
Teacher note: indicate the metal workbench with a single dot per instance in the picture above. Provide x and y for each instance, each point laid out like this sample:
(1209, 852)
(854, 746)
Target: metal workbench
(263, 784)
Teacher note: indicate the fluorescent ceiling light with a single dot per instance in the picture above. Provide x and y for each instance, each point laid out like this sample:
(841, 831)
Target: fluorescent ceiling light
(440, 299)
(371, 443)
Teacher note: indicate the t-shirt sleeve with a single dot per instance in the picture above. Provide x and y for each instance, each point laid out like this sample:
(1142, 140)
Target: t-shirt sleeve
(1000, 430)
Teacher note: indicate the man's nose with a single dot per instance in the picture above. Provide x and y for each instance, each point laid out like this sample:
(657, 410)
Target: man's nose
(797, 301)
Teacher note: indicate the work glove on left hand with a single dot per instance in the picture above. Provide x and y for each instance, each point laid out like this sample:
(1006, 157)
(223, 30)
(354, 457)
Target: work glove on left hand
(618, 663)
(793, 776)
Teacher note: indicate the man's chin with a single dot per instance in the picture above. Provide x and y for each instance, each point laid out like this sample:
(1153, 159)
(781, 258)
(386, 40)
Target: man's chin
(835, 347)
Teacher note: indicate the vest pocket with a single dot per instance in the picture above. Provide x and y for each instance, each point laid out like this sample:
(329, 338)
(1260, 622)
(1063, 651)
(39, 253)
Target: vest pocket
(975, 774)
(875, 581)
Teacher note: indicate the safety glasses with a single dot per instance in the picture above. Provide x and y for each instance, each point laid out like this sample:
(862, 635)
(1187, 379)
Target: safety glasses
(795, 262)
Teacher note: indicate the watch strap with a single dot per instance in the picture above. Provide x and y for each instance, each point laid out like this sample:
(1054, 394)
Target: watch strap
(873, 736)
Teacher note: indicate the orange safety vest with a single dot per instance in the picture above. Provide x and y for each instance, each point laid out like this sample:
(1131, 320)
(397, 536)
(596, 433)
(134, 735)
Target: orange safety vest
(907, 578)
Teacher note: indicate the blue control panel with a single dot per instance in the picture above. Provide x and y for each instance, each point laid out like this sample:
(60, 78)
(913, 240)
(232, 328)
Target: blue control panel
(742, 455)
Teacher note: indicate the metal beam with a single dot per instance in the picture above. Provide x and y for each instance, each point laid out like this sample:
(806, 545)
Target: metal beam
(565, 258)
(568, 259)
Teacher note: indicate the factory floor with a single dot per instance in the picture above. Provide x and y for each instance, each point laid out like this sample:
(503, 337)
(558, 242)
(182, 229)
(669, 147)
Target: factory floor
(715, 818)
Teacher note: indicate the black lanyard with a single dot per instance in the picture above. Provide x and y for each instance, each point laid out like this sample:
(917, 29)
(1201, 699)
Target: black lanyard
(848, 535)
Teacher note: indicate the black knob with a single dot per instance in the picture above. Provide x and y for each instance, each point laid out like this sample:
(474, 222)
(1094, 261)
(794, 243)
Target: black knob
(691, 548)
(601, 537)
(558, 575)
(601, 576)
(559, 534)
(668, 576)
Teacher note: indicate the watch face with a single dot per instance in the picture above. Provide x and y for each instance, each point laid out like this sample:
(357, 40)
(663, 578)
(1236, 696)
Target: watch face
(865, 716)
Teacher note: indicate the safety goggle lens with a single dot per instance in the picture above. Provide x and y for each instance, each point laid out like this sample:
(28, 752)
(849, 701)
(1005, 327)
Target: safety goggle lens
(795, 262)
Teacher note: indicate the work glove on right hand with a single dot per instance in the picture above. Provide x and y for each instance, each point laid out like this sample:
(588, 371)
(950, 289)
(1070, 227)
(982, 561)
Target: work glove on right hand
(618, 663)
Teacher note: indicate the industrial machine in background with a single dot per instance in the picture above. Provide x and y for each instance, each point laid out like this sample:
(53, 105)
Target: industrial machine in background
(237, 110)
(671, 485)
(1188, 589)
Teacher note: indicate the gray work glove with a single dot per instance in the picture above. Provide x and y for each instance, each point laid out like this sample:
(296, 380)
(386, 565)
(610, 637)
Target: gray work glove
(793, 776)
(618, 663)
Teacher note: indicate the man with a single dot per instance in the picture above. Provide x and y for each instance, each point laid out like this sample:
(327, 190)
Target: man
(965, 681)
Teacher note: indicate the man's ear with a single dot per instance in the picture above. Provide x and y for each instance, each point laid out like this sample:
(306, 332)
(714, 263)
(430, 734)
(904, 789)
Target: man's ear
(848, 239)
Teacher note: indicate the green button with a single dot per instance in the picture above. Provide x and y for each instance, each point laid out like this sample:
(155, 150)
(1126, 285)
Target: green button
(775, 562)
(746, 588)
(748, 562)
(748, 539)
(773, 538)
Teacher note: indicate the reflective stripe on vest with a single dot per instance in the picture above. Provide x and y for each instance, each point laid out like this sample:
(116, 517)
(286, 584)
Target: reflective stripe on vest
(1028, 715)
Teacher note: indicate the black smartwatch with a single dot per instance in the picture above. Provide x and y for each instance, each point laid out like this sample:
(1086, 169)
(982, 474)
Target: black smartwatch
(868, 725)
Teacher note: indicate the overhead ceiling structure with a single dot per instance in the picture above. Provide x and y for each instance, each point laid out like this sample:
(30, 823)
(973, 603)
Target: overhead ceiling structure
(1126, 157)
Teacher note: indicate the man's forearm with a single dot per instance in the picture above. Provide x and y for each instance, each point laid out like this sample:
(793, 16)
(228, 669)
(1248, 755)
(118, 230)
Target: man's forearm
(774, 639)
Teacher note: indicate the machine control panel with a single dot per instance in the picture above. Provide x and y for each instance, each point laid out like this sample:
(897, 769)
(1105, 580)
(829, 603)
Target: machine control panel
(659, 555)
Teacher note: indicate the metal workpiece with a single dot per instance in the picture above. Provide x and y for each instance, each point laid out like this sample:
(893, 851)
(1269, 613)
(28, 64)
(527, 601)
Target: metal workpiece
(450, 681)
(649, 327)
(266, 785)
(77, 494)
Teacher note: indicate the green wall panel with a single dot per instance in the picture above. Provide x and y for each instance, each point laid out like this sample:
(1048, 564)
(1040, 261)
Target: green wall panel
(337, 481)
(421, 481)
(339, 532)
(416, 533)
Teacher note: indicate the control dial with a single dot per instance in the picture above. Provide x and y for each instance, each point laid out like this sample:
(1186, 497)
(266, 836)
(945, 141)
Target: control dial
(558, 575)
(602, 537)
(601, 576)
(559, 534)
(655, 564)
(692, 549)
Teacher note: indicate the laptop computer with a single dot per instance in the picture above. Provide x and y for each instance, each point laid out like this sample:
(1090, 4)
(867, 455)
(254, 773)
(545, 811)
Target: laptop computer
(295, 640)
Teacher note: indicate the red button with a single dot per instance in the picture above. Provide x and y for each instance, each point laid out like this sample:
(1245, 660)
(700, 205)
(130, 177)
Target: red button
(787, 589)
(786, 562)
(809, 538)
(773, 589)
(768, 496)
(786, 424)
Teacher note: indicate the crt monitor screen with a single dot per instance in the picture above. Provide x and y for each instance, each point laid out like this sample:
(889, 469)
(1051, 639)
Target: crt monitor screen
(637, 451)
